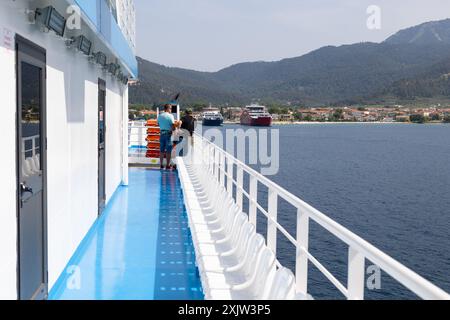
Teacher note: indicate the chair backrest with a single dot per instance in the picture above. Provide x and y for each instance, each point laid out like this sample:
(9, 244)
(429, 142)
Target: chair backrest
(237, 227)
(37, 162)
(251, 255)
(33, 166)
(244, 238)
(232, 222)
(25, 172)
(27, 168)
(265, 271)
(219, 199)
(240, 240)
(224, 205)
(230, 213)
(282, 287)
(213, 193)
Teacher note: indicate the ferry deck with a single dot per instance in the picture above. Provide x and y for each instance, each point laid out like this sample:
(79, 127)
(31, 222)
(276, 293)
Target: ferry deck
(140, 249)
(77, 222)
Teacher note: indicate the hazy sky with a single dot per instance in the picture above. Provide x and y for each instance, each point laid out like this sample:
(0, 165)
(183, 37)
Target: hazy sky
(213, 34)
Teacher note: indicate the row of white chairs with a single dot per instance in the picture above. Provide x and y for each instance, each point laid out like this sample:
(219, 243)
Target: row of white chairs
(233, 260)
(31, 166)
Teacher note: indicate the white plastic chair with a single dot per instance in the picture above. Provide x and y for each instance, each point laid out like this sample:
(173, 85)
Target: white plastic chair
(282, 286)
(33, 166)
(231, 264)
(253, 288)
(27, 169)
(231, 247)
(226, 234)
(232, 258)
(37, 162)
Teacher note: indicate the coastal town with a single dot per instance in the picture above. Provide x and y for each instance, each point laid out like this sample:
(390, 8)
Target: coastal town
(386, 114)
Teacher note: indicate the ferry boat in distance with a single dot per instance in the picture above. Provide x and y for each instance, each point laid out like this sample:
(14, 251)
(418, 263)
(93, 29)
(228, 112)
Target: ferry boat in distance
(212, 117)
(256, 115)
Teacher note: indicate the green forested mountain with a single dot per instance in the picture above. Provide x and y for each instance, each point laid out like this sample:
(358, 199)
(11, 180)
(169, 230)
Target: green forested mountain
(435, 82)
(428, 33)
(411, 63)
(157, 84)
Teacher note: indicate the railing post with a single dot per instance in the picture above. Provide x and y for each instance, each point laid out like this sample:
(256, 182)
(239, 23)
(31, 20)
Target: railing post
(23, 150)
(239, 186)
(216, 163)
(301, 261)
(204, 157)
(253, 197)
(356, 276)
(222, 171)
(210, 160)
(212, 163)
(140, 135)
(271, 224)
(209, 157)
(230, 165)
(33, 147)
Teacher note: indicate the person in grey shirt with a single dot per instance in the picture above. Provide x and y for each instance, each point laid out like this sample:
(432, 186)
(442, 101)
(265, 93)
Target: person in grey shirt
(166, 123)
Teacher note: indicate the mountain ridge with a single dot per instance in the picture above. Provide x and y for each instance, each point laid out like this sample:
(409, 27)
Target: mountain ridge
(425, 33)
(328, 75)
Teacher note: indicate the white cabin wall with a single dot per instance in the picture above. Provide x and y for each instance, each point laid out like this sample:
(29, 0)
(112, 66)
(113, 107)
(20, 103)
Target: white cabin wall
(113, 137)
(72, 164)
(72, 154)
(125, 137)
(8, 220)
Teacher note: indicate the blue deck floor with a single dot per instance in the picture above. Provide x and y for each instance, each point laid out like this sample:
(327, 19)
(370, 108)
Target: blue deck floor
(140, 248)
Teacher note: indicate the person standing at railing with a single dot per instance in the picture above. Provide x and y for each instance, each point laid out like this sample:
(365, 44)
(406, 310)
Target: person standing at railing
(188, 127)
(166, 123)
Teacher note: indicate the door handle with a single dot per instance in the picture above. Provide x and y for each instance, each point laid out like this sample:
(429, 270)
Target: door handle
(24, 189)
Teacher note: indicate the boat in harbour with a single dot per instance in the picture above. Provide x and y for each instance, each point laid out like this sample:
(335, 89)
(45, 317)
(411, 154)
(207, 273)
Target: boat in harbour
(256, 115)
(212, 118)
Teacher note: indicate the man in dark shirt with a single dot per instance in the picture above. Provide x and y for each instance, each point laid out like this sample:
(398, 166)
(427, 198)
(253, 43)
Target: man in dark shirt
(188, 124)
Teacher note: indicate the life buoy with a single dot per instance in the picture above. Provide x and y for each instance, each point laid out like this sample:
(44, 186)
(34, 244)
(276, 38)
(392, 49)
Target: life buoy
(152, 123)
(152, 154)
(152, 138)
(153, 145)
(154, 131)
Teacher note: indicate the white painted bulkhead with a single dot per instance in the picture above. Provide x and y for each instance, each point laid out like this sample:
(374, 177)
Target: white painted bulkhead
(72, 154)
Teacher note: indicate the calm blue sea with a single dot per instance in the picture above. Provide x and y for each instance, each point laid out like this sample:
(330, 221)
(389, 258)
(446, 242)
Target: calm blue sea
(388, 183)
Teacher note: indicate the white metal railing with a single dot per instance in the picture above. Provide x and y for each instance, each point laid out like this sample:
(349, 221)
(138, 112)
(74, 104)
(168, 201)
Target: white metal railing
(34, 146)
(222, 164)
(137, 133)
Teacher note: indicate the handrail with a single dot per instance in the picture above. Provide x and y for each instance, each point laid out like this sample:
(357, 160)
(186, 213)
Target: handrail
(136, 134)
(359, 249)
